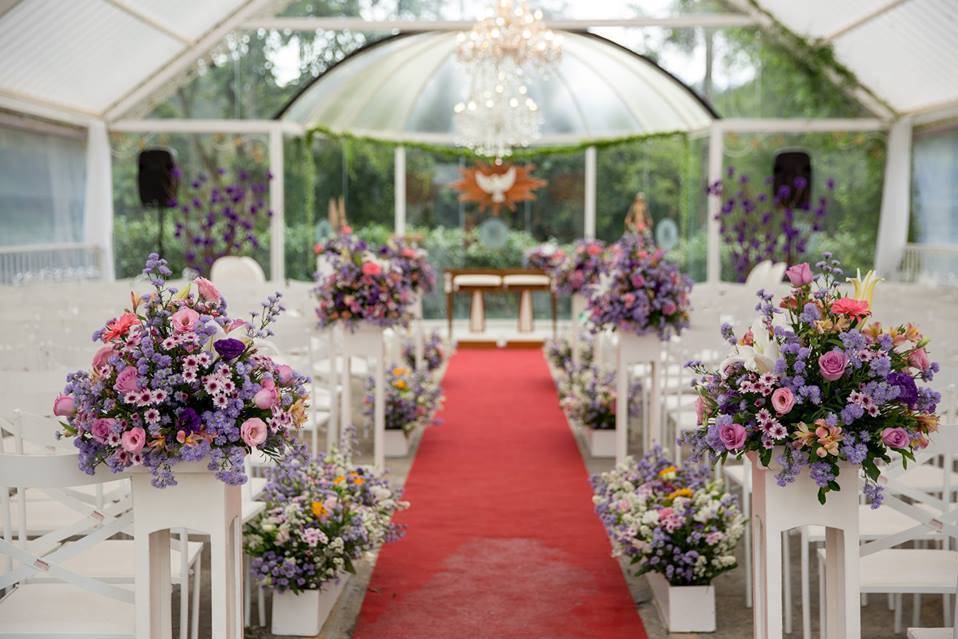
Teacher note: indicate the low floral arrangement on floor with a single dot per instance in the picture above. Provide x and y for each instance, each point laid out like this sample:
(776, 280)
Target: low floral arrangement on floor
(589, 399)
(433, 353)
(814, 379)
(355, 285)
(178, 380)
(558, 351)
(669, 520)
(322, 514)
(412, 398)
(413, 262)
(641, 292)
(545, 257)
(581, 269)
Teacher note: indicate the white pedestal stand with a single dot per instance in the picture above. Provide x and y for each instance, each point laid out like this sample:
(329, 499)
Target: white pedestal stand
(477, 313)
(199, 502)
(776, 509)
(526, 323)
(419, 333)
(578, 308)
(636, 349)
(367, 340)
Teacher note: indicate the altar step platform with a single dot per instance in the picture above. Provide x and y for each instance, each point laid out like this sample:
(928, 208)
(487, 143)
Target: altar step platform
(499, 333)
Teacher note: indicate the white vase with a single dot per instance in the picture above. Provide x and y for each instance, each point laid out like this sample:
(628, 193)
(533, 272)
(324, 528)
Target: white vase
(683, 608)
(601, 442)
(306, 613)
(396, 443)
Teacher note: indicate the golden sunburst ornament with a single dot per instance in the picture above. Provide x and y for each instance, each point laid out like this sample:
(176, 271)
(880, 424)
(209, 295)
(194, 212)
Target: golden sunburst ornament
(494, 186)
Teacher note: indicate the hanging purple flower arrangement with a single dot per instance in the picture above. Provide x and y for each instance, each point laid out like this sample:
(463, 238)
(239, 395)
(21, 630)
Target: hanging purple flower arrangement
(222, 215)
(765, 224)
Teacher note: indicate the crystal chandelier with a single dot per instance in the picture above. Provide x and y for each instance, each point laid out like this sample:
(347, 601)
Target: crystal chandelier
(499, 114)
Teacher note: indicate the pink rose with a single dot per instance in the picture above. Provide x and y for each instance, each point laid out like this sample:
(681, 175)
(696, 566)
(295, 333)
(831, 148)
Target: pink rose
(371, 268)
(699, 410)
(799, 274)
(732, 436)
(669, 307)
(919, 360)
(126, 381)
(266, 397)
(284, 374)
(101, 429)
(638, 281)
(207, 291)
(133, 440)
(185, 320)
(628, 299)
(101, 361)
(64, 406)
(253, 431)
(783, 400)
(895, 437)
(832, 365)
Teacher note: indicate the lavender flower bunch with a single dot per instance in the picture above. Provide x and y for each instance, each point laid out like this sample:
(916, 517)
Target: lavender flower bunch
(581, 269)
(433, 353)
(669, 520)
(356, 285)
(641, 292)
(322, 514)
(815, 380)
(590, 397)
(764, 225)
(412, 398)
(558, 351)
(545, 257)
(413, 261)
(178, 380)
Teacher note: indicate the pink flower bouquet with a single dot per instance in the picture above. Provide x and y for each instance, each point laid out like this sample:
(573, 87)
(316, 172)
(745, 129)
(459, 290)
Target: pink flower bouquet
(414, 263)
(355, 285)
(581, 269)
(815, 379)
(545, 257)
(178, 380)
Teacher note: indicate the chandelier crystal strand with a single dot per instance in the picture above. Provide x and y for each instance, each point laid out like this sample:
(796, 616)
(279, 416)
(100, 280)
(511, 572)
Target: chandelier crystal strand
(499, 114)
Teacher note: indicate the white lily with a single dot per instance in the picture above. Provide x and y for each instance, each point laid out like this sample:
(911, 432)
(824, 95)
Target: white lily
(864, 287)
(761, 356)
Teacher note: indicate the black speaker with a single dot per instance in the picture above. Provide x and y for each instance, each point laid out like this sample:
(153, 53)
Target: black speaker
(793, 179)
(157, 178)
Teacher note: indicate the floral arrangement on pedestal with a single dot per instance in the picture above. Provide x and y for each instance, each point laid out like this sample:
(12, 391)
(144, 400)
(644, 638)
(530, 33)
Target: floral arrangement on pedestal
(178, 380)
(356, 285)
(433, 353)
(641, 292)
(217, 219)
(412, 398)
(545, 257)
(581, 269)
(767, 225)
(558, 352)
(322, 514)
(673, 521)
(815, 383)
(414, 263)
(589, 398)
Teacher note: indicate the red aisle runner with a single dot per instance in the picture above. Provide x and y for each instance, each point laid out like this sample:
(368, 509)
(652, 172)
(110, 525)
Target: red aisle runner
(502, 540)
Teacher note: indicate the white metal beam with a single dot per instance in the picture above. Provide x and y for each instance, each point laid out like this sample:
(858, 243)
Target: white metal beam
(399, 187)
(182, 61)
(864, 19)
(136, 14)
(799, 125)
(277, 224)
(588, 230)
(361, 24)
(44, 109)
(205, 126)
(713, 234)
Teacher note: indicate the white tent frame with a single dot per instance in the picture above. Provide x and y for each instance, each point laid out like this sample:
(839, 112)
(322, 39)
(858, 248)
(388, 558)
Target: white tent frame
(892, 235)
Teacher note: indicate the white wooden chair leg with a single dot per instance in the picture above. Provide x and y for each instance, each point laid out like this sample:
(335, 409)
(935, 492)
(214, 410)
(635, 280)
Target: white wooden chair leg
(247, 607)
(747, 512)
(787, 580)
(806, 596)
(261, 605)
(821, 597)
(946, 610)
(891, 601)
(898, 601)
(197, 576)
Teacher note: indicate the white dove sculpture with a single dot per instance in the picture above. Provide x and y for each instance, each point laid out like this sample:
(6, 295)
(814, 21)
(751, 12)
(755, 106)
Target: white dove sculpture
(497, 185)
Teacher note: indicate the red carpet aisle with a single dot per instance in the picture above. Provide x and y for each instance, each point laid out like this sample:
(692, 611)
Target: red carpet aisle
(502, 541)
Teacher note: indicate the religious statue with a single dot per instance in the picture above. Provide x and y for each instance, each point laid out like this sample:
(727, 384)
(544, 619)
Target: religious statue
(637, 220)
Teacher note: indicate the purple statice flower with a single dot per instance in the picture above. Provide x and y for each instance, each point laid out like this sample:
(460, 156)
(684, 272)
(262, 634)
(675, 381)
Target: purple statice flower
(822, 473)
(810, 313)
(413, 262)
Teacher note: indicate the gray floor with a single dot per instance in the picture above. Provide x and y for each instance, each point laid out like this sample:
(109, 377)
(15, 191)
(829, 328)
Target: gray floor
(734, 619)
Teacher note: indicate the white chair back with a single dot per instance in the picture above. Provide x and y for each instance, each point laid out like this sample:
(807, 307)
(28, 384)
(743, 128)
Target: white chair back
(232, 269)
(758, 276)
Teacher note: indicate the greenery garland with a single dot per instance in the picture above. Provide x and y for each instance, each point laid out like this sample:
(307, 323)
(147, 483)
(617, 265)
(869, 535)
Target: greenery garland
(518, 154)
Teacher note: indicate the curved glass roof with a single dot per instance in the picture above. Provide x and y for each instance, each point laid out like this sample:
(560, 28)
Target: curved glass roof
(405, 87)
